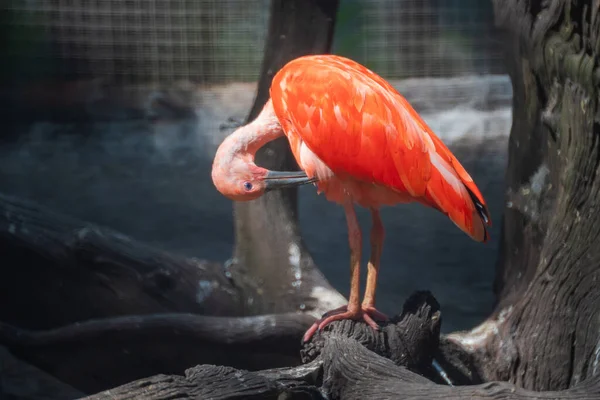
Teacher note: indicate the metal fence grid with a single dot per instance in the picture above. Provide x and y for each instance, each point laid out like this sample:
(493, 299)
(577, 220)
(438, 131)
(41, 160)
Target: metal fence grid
(219, 41)
(141, 40)
(429, 38)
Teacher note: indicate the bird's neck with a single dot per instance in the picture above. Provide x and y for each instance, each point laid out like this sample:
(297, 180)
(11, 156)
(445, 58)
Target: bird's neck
(251, 137)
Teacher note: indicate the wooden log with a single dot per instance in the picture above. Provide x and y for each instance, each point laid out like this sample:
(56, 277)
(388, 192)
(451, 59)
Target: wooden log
(103, 353)
(220, 383)
(351, 372)
(408, 339)
(85, 298)
(346, 370)
(347, 361)
(57, 271)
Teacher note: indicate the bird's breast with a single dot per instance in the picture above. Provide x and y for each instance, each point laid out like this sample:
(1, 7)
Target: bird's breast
(340, 188)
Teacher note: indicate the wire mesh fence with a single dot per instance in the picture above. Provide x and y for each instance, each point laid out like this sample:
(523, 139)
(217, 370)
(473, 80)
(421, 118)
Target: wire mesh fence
(418, 38)
(220, 41)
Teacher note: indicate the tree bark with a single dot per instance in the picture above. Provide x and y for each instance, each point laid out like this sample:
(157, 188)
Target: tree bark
(407, 340)
(269, 252)
(57, 271)
(136, 346)
(347, 361)
(544, 333)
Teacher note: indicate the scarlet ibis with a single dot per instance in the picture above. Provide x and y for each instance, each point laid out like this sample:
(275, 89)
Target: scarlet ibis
(360, 142)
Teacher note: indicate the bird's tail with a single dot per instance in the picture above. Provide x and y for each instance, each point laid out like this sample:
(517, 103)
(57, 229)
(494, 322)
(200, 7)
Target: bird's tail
(452, 191)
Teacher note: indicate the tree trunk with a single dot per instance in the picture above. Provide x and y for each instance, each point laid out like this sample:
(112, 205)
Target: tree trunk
(269, 253)
(545, 331)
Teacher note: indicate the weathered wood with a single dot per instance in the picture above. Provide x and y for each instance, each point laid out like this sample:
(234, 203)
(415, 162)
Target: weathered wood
(544, 333)
(133, 347)
(220, 383)
(345, 370)
(365, 375)
(269, 253)
(56, 271)
(408, 339)
(347, 361)
(106, 295)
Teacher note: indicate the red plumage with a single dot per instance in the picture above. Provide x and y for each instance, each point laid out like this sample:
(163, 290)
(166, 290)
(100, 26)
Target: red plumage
(351, 129)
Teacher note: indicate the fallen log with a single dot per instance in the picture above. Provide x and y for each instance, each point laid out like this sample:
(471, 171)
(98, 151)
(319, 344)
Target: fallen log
(56, 271)
(408, 340)
(132, 347)
(346, 370)
(78, 292)
(220, 383)
(52, 267)
(348, 360)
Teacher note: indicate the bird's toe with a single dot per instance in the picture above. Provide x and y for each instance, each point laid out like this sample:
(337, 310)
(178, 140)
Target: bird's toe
(375, 313)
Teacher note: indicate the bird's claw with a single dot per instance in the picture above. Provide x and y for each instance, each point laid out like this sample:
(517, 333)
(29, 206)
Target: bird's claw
(366, 313)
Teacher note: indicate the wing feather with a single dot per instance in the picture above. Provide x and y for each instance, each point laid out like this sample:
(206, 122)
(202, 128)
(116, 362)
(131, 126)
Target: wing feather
(361, 127)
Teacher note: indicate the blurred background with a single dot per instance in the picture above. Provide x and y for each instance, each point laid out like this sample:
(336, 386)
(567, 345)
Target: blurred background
(113, 110)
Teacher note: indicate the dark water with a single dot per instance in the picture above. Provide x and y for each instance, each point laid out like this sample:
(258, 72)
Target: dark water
(152, 182)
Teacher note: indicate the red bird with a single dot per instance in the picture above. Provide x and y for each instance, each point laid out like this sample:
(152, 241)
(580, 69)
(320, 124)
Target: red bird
(359, 141)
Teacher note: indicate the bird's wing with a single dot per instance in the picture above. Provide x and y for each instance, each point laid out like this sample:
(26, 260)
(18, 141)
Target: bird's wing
(360, 126)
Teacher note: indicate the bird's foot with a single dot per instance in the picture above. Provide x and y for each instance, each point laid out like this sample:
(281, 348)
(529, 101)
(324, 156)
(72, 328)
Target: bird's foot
(366, 313)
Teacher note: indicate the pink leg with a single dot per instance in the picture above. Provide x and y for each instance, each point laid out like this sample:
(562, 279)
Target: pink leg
(353, 310)
(377, 236)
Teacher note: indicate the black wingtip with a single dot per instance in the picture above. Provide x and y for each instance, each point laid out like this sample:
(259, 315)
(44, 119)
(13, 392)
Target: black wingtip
(483, 213)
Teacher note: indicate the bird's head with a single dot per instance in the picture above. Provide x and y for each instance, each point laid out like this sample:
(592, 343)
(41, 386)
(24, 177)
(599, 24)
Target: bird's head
(237, 177)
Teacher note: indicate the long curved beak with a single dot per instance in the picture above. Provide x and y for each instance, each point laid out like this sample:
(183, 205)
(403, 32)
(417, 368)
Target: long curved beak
(286, 179)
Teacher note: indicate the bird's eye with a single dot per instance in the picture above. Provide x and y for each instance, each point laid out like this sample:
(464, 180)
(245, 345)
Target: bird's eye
(248, 186)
